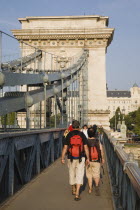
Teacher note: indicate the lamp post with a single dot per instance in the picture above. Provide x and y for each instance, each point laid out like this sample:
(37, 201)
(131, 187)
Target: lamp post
(74, 94)
(119, 122)
(62, 116)
(123, 112)
(123, 126)
(28, 104)
(71, 96)
(45, 81)
(119, 115)
(115, 122)
(55, 90)
(68, 102)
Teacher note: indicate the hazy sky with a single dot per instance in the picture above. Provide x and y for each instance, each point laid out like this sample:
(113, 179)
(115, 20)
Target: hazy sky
(123, 55)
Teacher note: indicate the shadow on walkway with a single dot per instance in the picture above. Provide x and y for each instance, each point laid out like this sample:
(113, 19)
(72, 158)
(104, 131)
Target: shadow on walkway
(51, 191)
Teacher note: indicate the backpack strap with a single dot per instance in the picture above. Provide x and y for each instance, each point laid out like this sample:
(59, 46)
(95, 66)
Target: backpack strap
(80, 157)
(99, 151)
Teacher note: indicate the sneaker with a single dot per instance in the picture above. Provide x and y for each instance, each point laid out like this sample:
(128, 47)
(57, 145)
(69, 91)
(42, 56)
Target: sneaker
(97, 191)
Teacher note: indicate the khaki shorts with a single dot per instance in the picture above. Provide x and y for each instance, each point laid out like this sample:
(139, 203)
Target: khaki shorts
(76, 171)
(93, 170)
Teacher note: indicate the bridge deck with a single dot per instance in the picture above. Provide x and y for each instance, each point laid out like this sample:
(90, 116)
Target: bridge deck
(51, 191)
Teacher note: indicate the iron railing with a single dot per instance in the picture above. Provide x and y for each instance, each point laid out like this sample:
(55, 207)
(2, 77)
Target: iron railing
(124, 174)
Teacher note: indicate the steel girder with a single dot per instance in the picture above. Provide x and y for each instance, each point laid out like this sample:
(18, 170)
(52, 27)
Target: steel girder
(13, 79)
(17, 102)
(24, 61)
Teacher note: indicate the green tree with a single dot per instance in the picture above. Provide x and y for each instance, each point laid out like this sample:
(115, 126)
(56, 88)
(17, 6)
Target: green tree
(114, 120)
(52, 120)
(137, 122)
(130, 120)
(8, 119)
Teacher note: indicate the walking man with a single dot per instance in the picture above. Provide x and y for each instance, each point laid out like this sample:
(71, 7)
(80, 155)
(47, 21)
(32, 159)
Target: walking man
(76, 147)
(96, 159)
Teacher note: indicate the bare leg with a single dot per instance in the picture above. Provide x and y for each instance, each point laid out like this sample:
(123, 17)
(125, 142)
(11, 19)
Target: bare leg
(77, 197)
(97, 180)
(97, 190)
(78, 189)
(73, 189)
(90, 184)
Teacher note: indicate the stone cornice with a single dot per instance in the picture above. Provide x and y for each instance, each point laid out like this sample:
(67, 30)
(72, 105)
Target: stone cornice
(73, 36)
(64, 31)
(65, 17)
(64, 34)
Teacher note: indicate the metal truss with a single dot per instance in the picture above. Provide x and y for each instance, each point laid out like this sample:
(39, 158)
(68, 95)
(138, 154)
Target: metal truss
(40, 84)
(8, 102)
(24, 155)
(24, 61)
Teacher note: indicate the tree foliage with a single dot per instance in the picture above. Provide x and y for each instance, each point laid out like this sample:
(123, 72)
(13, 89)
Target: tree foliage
(8, 119)
(52, 120)
(114, 120)
(132, 120)
(137, 122)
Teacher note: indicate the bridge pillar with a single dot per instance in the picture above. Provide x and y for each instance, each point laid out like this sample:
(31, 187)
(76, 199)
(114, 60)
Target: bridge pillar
(97, 98)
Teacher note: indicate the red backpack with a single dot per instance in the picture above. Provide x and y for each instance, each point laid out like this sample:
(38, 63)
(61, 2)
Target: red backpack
(76, 147)
(93, 153)
(94, 150)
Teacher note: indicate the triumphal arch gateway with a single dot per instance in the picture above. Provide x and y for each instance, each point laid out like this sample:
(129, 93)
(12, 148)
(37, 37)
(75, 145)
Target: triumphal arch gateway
(69, 35)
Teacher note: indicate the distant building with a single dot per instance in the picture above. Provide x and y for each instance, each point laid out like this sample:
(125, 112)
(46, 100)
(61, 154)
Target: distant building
(128, 101)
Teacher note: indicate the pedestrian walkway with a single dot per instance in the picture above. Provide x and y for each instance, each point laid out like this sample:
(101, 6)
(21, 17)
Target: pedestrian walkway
(51, 191)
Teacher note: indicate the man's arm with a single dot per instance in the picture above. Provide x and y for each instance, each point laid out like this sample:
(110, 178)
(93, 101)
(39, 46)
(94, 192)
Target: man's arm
(87, 153)
(65, 148)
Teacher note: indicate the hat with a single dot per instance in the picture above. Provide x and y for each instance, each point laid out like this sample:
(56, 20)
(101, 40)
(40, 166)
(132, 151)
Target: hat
(70, 128)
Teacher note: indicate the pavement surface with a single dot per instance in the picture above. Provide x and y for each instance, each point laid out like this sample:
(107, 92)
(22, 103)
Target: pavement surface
(51, 191)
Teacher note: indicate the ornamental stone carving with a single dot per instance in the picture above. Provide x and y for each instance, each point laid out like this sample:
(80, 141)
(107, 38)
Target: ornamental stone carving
(62, 59)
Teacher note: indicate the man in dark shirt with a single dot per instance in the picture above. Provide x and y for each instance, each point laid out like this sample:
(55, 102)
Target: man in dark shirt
(76, 163)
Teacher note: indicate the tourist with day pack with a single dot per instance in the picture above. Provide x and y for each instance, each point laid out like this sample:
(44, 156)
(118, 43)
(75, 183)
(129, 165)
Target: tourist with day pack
(76, 146)
(96, 159)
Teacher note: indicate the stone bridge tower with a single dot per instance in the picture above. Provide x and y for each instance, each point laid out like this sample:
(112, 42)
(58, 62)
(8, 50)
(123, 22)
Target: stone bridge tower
(72, 34)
